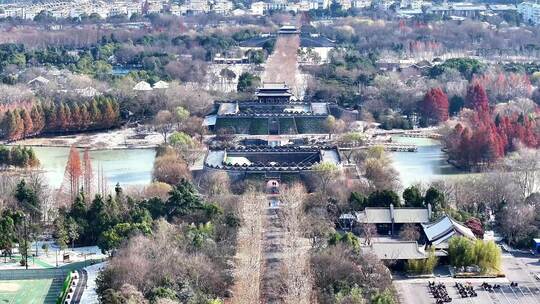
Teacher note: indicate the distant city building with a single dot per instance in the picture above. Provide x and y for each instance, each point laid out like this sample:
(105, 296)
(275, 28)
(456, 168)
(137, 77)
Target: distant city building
(530, 12)
(258, 8)
(463, 9)
(411, 4)
(384, 4)
(361, 3)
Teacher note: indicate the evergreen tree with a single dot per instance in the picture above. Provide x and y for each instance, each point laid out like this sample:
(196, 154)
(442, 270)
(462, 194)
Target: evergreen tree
(28, 200)
(412, 197)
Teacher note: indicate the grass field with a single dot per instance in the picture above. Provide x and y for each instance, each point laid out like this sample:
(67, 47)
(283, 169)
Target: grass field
(24, 291)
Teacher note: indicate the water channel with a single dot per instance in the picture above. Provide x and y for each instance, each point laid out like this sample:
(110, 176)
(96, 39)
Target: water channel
(134, 166)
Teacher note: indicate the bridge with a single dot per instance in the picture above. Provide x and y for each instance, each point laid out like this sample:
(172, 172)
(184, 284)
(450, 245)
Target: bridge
(416, 133)
(387, 146)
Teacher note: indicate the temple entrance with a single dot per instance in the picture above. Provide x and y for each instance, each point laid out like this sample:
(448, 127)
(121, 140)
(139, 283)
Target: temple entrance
(273, 126)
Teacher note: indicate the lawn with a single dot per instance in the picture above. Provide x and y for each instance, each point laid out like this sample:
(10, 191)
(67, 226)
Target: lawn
(24, 291)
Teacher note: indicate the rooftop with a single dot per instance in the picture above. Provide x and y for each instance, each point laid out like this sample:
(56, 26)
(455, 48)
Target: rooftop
(399, 215)
(265, 158)
(142, 86)
(444, 229)
(399, 250)
(288, 29)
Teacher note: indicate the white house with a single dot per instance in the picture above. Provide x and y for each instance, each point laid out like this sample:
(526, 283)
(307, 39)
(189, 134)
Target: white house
(142, 86)
(161, 85)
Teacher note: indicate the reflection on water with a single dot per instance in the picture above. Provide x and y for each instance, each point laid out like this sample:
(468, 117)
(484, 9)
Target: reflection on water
(132, 166)
(428, 164)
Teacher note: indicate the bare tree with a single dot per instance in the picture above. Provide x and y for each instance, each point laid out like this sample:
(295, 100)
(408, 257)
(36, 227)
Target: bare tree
(524, 168)
(216, 183)
(164, 123)
(409, 232)
(325, 173)
(248, 258)
(368, 232)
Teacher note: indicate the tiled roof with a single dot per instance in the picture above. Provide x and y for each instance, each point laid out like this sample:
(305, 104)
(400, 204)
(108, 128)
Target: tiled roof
(396, 250)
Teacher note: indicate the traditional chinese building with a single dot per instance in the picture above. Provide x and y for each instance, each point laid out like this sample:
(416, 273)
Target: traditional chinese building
(274, 111)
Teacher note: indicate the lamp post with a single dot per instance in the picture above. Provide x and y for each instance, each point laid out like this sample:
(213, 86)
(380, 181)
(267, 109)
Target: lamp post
(25, 242)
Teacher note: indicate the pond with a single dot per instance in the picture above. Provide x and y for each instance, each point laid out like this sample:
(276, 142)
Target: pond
(124, 166)
(427, 164)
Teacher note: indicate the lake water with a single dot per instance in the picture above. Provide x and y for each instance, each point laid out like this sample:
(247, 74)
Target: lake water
(427, 164)
(127, 167)
(134, 166)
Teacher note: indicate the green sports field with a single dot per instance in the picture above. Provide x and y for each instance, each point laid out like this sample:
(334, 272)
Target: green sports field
(24, 291)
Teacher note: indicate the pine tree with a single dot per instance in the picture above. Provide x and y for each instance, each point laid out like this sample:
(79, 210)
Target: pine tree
(9, 124)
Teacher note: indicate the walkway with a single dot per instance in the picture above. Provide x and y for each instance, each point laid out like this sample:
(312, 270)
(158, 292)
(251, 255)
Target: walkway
(246, 288)
(89, 295)
(286, 273)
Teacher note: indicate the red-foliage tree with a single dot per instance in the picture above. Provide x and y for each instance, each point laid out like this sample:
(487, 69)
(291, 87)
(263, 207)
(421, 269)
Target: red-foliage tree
(28, 125)
(476, 227)
(38, 118)
(20, 122)
(477, 98)
(73, 172)
(434, 106)
(88, 174)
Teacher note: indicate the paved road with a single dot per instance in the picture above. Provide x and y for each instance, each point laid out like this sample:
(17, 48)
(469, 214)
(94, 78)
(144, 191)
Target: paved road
(81, 285)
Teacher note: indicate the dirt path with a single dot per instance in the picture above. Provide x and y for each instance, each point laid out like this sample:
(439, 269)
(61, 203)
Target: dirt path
(248, 255)
(282, 65)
